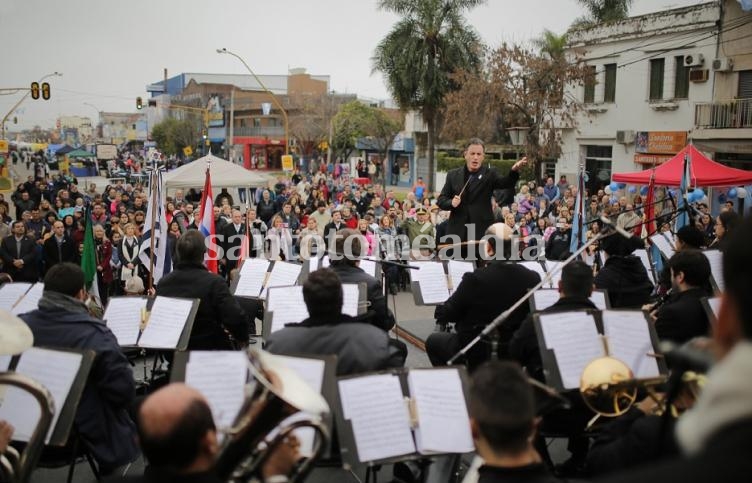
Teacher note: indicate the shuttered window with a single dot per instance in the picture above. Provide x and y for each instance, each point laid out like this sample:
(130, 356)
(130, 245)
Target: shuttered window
(656, 79)
(745, 84)
(590, 85)
(681, 79)
(609, 94)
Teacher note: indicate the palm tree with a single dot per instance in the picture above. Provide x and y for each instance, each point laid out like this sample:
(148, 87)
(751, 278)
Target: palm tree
(423, 49)
(600, 11)
(551, 44)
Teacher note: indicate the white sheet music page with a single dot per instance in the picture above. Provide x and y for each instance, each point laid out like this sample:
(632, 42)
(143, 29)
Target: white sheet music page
(645, 259)
(368, 266)
(715, 257)
(535, 267)
(443, 422)
(287, 306)
(55, 370)
(599, 299)
(432, 281)
(553, 267)
(29, 301)
(575, 341)
(379, 417)
(313, 264)
(350, 299)
(166, 322)
(123, 317)
(544, 298)
(10, 293)
(715, 305)
(252, 276)
(629, 341)
(5, 362)
(220, 376)
(283, 273)
(664, 246)
(457, 269)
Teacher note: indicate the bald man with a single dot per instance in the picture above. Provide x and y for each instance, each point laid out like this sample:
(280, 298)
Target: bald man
(481, 297)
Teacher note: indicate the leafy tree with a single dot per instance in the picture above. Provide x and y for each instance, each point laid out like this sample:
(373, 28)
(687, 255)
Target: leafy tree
(551, 44)
(431, 41)
(383, 130)
(600, 11)
(352, 122)
(172, 135)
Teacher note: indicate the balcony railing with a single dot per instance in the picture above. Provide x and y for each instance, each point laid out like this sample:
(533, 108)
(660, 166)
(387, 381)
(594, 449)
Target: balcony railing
(271, 131)
(724, 115)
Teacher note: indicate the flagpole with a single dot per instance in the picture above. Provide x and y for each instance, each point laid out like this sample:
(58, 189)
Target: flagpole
(247, 227)
(152, 185)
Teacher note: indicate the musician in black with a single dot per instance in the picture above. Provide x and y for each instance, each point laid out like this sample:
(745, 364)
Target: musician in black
(623, 275)
(483, 295)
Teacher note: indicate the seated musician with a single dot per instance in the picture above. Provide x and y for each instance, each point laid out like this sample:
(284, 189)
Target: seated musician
(179, 439)
(503, 424)
(102, 417)
(623, 275)
(220, 323)
(481, 297)
(359, 347)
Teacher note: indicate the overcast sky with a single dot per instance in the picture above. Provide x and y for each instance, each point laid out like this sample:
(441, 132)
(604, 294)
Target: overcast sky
(110, 50)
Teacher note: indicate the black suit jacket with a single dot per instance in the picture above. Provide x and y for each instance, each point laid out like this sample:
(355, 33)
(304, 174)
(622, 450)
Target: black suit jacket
(231, 241)
(475, 207)
(68, 250)
(29, 272)
(683, 318)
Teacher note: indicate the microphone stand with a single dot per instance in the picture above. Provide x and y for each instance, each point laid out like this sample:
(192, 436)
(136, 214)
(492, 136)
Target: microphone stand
(546, 280)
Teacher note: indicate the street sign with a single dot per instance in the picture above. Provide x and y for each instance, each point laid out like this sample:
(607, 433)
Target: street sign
(187, 150)
(3, 146)
(287, 162)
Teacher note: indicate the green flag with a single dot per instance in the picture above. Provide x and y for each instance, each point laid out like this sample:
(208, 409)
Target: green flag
(89, 257)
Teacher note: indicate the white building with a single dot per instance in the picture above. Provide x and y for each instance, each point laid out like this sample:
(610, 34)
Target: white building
(650, 72)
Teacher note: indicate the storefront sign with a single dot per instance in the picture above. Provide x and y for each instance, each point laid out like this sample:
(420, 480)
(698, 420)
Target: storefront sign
(660, 142)
(651, 159)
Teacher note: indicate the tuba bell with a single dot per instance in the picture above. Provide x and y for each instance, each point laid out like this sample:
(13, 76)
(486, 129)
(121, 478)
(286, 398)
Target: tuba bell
(273, 394)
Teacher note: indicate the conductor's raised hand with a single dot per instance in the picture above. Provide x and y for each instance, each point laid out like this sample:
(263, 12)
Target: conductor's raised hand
(520, 164)
(456, 201)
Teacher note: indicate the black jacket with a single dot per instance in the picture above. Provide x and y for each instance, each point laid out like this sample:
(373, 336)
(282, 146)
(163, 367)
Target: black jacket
(68, 251)
(557, 246)
(481, 297)
(230, 242)
(626, 280)
(29, 272)
(683, 318)
(265, 210)
(378, 313)
(535, 473)
(218, 308)
(475, 207)
(524, 347)
(359, 347)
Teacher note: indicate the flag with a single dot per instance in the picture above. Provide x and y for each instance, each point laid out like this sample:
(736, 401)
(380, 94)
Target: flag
(683, 218)
(578, 222)
(245, 244)
(156, 217)
(649, 227)
(89, 257)
(205, 223)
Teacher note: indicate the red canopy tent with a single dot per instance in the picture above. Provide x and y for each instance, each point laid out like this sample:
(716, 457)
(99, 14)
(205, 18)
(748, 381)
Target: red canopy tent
(703, 172)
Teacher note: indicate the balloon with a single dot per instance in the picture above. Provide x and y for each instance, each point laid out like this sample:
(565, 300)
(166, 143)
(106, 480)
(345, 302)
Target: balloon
(607, 190)
(699, 194)
(586, 178)
(732, 193)
(614, 186)
(741, 193)
(721, 198)
(633, 189)
(622, 186)
(644, 191)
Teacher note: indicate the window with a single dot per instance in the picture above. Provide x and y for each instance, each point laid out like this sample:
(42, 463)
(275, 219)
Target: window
(610, 87)
(745, 85)
(681, 79)
(590, 85)
(598, 167)
(656, 79)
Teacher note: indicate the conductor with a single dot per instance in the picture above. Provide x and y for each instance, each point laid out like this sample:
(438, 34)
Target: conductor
(467, 194)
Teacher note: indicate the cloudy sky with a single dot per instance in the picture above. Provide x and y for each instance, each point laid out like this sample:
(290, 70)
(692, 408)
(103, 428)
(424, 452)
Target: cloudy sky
(109, 50)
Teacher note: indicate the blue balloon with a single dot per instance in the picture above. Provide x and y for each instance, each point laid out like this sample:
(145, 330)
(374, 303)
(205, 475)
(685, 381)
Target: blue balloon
(622, 186)
(732, 193)
(633, 189)
(699, 194)
(692, 197)
(644, 191)
(614, 186)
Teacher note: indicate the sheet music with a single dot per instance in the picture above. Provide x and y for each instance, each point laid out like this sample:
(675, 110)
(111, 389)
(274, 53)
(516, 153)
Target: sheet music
(443, 422)
(312, 372)
(123, 317)
(368, 266)
(456, 270)
(5, 362)
(552, 265)
(29, 301)
(546, 297)
(55, 370)
(350, 299)
(287, 306)
(283, 273)
(431, 280)
(10, 293)
(629, 341)
(378, 414)
(166, 322)
(715, 257)
(251, 277)
(599, 299)
(324, 262)
(663, 244)
(313, 264)
(715, 305)
(645, 259)
(575, 341)
(220, 376)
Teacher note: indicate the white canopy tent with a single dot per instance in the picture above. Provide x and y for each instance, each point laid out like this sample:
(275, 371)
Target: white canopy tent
(224, 174)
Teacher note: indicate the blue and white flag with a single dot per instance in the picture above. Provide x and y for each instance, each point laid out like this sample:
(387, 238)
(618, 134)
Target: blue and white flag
(156, 216)
(683, 218)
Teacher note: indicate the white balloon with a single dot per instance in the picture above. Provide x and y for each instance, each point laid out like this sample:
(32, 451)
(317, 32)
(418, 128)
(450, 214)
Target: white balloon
(607, 190)
(741, 193)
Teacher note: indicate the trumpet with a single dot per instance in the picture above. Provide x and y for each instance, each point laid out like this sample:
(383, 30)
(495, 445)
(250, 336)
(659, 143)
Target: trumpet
(273, 394)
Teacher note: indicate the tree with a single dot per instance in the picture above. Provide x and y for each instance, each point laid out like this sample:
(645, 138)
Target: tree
(600, 11)
(172, 135)
(351, 123)
(431, 41)
(516, 87)
(310, 115)
(383, 131)
(551, 44)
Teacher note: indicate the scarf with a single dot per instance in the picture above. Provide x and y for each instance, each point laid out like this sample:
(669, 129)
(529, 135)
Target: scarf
(55, 301)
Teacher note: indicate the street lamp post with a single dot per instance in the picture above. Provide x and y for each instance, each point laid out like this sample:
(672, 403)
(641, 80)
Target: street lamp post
(12, 109)
(274, 97)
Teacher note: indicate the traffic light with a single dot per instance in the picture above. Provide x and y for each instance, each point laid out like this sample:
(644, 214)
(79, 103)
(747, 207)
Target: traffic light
(35, 90)
(46, 91)
(139, 103)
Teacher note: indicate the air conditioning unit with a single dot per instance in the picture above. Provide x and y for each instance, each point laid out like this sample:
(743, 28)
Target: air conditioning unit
(698, 75)
(693, 60)
(625, 137)
(724, 64)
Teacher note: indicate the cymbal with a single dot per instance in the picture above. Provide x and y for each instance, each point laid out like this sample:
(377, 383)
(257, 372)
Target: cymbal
(15, 335)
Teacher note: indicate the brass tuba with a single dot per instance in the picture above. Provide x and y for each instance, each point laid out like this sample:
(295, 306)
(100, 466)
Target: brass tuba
(272, 395)
(15, 467)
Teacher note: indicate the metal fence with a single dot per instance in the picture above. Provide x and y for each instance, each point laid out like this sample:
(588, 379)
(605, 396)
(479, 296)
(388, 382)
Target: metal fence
(721, 115)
